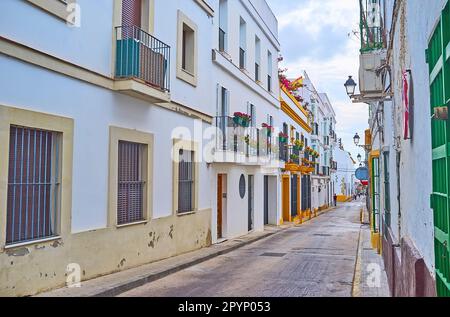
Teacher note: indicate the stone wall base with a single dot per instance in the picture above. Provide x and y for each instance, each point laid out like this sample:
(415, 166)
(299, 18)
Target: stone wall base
(408, 276)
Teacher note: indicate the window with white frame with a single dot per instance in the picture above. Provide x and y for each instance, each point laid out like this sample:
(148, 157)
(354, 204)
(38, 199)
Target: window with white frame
(223, 25)
(257, 59)
(187, 54)
(34, 175)
(269, 71)
(242, 44)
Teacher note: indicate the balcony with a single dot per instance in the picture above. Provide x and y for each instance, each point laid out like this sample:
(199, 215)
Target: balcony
(299, 161)
(243, 145)
(142, 65)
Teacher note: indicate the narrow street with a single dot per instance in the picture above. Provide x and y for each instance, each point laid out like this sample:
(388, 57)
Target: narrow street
(315, 259)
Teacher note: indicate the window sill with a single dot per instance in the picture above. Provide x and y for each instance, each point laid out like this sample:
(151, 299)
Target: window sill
(30, 243)
(186, 76)
(137, 223)
(186, 213)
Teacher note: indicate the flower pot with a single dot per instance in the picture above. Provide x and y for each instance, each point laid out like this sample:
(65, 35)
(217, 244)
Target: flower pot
(237, 121)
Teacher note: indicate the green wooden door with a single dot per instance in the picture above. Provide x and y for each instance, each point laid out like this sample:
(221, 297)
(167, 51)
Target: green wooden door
(376, 194)
(438, 54)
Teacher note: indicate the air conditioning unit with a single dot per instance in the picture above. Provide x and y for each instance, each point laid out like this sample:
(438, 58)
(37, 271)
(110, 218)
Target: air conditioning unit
(369, 82)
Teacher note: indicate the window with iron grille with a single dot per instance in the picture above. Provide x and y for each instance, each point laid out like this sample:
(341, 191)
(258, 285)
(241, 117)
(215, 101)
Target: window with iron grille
(33, 185)
(131, 182)
(186, 181)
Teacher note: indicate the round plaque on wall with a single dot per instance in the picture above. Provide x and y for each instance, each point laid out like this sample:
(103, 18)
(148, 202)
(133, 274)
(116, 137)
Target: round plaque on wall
(242, 186)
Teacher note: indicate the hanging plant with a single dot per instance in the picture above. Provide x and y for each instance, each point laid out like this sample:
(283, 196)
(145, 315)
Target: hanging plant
(283, 137)
(294, 157)
(268, 129)
(298, 145)
(241, 119)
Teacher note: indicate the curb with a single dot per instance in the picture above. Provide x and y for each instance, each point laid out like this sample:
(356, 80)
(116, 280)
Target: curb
(151, 277)
(356, 289)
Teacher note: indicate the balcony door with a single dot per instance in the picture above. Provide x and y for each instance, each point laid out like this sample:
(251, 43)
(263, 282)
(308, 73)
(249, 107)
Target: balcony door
(139, 54)
(132, 13)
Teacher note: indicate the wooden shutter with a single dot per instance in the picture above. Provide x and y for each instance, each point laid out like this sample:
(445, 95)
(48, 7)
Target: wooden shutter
(131, 12)
(439, 67)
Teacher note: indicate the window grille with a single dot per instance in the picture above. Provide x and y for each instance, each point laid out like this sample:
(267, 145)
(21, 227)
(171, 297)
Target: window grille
(131, 183)
(186, 174)
(33, 185)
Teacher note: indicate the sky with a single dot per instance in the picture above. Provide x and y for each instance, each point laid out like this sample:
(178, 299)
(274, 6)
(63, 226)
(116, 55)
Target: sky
(318, 36)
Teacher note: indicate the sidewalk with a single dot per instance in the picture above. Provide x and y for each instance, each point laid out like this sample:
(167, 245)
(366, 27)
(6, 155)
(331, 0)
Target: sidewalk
(116, 283)
(370, 275)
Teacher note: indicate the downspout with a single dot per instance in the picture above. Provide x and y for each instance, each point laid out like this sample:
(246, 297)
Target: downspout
(399, 223)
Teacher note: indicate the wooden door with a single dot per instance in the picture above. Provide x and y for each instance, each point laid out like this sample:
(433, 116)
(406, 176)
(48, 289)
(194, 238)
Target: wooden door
(266, 200)
(438, 59)
(219, 205)
(285, 195)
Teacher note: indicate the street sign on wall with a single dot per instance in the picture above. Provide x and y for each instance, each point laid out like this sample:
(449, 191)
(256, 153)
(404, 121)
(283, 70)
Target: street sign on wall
(362, 174)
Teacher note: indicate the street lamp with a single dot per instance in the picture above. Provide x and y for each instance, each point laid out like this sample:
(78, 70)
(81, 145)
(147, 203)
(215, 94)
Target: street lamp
(356, 139)
(350, 86)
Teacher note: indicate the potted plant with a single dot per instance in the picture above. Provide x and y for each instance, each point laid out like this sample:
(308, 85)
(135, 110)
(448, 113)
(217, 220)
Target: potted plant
(237, 118)
(283, 137)
(268, 129)
(294, 157)
(246, 120)
(241, 119)
(298, 145)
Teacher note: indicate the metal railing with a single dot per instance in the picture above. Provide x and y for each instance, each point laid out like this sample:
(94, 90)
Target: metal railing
(233, 138)
(371, 39)
(140, 55)
(247, 141)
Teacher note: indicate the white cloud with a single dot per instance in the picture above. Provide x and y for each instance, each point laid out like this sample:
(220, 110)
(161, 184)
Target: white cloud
(329, 75)
(314, 16)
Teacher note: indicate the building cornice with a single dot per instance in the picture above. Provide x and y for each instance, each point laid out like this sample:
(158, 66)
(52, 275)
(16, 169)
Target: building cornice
(294, 116)
(205, 6)
(292, 98)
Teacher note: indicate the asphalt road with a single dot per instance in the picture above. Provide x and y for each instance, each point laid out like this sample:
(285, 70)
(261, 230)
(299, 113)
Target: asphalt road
(314, 259)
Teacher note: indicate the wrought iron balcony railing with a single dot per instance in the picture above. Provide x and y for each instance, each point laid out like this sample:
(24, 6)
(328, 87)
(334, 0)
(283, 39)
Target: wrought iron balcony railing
(142, 56)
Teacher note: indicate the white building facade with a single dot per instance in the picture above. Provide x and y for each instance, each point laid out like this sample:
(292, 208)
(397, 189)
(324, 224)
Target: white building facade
(323, 141)
(245, 167)
(96, 177)
(407, 136)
